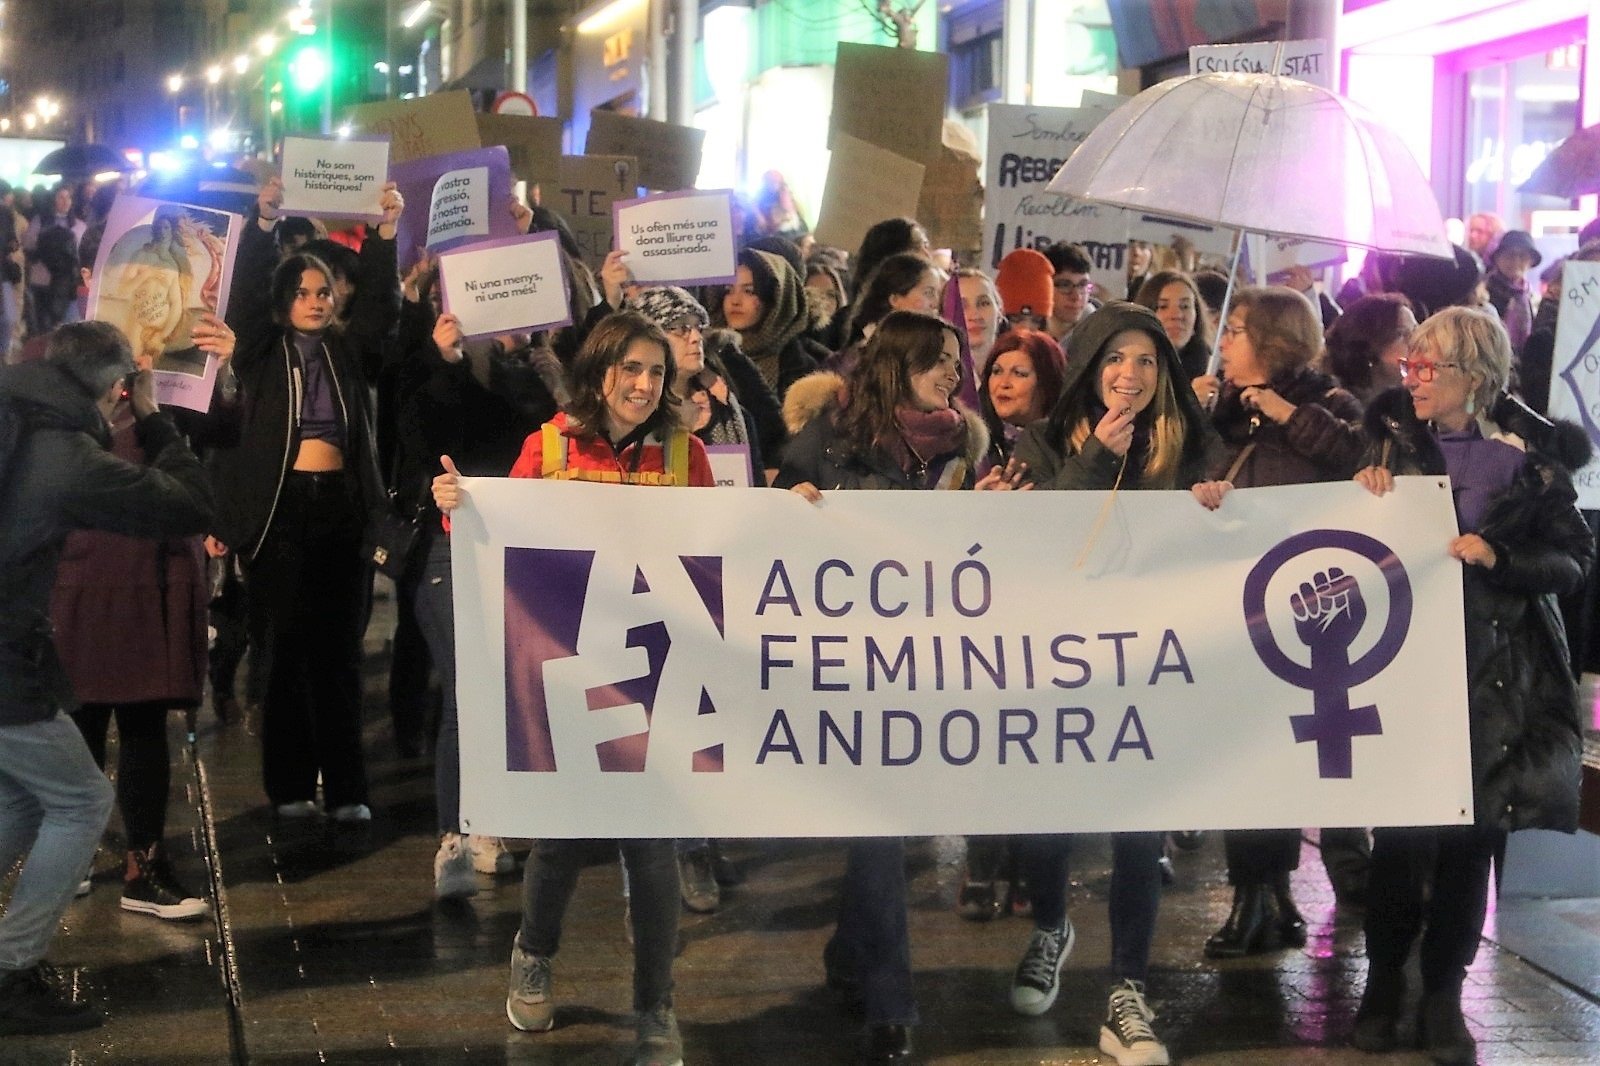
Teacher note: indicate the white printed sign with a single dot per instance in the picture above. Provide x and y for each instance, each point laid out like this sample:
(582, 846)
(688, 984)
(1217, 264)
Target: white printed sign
(1306, 60)
(459, 206)
(1575, 367)
(329, 177)
(730, 465)
(883, 664)
(678, 238)
(506, 285)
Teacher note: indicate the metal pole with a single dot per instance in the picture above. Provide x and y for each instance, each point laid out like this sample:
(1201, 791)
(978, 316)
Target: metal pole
(388, 49)
(683, 37)
(327, 80)
(657, 67)
(518, 10)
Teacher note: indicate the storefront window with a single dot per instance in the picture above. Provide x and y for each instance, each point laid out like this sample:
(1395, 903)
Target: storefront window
(1516, 113)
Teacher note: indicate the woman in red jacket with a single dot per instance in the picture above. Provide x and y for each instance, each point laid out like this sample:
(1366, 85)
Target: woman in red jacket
(621, 426)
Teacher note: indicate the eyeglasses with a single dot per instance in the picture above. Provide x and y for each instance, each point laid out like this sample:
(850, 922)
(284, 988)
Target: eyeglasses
(1424, 369)
(1231, 330)
(1075, 286)
(683, 329)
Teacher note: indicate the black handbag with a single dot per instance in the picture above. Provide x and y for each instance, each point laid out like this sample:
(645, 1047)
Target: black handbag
(391, 538)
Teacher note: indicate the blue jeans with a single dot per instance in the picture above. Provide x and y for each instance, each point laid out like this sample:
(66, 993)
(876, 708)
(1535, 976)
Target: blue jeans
(435, 610)
(1135, 893)
(871, 946)
(54, 804)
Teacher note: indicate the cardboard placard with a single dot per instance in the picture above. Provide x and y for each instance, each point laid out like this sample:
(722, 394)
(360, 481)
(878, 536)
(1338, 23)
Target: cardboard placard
(506, 286)
(866, 184)
(950, 206)
(453, 199)
(161, 265)
(332, 177)
(588, 186)
(668, 155)
(678, 238)
(891, 97)
(424, 126)
(533, 145)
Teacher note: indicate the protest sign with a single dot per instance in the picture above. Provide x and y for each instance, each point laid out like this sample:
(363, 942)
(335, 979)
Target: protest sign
(891, 97)
(453, 199)
(435, 124)
(730, 465)
(506, 285)
(668, 155)
(1306, 60)
(160, 267)
(588, 186)
(1575, 367)
(678, 238)
(866, 184)
(950, 205)
(883, 664)
(330, 177)
(532, 143)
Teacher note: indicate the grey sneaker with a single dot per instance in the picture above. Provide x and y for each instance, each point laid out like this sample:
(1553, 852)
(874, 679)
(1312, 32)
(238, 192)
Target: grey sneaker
(659, 1042)
(528, 1002)
(1038, 978)
(1126, 1035)
(452, 870)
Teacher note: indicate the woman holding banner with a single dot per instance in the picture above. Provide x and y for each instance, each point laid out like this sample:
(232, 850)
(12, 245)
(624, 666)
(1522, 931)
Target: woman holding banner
(1523, 543)
(892, 424)
(1126, 420)
(621, 427)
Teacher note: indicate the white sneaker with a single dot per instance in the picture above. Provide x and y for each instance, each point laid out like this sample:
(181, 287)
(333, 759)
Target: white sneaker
(1037, 980)
(1126, 1035)
(84, 888)
(452, 870)
(490, 855)
(528, 1002)
(351, 813)
(299, 809)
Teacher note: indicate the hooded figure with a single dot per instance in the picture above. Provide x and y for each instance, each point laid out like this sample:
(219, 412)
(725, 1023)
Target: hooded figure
(1170, 436)
(773, 331)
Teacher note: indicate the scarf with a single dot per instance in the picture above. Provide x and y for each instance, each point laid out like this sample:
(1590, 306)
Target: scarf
(924, 437)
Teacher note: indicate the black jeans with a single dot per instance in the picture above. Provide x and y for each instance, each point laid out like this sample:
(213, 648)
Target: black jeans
(1135, 897)
(652, 867)
(144, 770)
(871, 946)
(1433, 881)
(1258, 856)
(435, 603)
(308, 592)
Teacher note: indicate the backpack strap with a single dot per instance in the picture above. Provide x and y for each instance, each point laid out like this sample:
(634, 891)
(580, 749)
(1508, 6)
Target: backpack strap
(553, 451)
(678, 457)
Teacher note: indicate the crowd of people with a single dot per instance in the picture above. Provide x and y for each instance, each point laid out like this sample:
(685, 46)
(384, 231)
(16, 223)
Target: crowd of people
(347, 395)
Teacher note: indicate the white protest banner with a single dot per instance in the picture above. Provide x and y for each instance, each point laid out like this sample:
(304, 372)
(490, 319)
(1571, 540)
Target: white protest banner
(160, 267)
(505, 285)
(730, 465)
(1575, 367)
(1306, 60)
(678, 238)
(701, 662)
(329, 177)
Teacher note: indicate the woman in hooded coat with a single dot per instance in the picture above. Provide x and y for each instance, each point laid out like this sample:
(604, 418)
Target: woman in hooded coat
(766, 306)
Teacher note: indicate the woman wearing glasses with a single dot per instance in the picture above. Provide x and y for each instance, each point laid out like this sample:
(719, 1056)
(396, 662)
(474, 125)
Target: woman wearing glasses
(1284, 424)
(1522, 544)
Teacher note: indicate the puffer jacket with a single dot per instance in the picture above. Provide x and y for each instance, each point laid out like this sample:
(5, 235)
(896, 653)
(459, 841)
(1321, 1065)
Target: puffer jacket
(817, 452)
(1523, 708)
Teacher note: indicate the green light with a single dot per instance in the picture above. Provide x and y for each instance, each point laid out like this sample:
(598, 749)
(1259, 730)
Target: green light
(308, 68)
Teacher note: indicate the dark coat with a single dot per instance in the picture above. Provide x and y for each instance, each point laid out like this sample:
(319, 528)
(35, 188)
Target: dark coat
(1321, 441)
(1522, 703)
(1044, 445)
(130, 612)
(819, 453)
(62, 478)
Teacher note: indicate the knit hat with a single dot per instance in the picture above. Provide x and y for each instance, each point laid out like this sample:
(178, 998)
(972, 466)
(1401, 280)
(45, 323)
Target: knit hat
(666, 305)
(1024, 283)
(1517, 240)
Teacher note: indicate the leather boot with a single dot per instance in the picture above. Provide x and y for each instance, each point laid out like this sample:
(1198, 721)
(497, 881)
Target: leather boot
(1378, 1016)
(1249, 924)
(1291, 923)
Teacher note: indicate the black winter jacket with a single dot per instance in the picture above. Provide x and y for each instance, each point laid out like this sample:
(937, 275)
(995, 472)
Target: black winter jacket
(1523, 708)
(63, 477)
(1321, 441)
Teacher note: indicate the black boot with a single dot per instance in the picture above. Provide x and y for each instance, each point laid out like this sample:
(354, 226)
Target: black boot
(1291, 923)
(1249, 925)
(887, 1044)
(1379, 1013)
(1442, 1030)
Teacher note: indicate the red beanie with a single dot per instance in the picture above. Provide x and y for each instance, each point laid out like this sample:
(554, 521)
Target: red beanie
(1025, 285)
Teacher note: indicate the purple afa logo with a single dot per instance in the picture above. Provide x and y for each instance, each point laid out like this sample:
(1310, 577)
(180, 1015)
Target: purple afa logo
(546, 592)
(1329, 613)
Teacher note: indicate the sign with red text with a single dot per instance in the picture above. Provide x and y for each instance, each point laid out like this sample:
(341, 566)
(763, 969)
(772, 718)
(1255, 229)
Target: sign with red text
(718, 663)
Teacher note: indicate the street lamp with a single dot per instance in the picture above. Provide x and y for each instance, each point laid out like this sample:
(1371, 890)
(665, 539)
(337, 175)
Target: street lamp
(213, 74)
(241, 63)
(174, 83)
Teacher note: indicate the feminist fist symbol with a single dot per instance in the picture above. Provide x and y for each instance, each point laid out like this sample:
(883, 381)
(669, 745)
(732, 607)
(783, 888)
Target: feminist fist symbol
(1329, 613)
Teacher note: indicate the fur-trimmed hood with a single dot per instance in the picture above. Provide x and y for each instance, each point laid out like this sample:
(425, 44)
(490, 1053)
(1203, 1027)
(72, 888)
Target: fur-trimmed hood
(1391, 415)
(825, 392)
